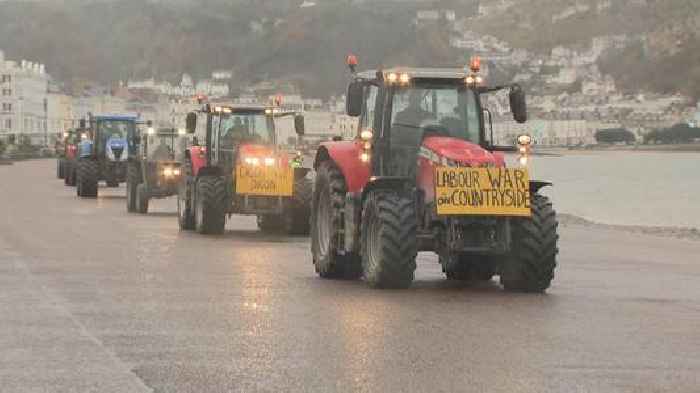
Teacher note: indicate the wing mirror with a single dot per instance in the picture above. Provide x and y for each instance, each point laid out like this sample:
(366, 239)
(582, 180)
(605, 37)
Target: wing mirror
(518, 104)
(191, 123)
(299, 126)
(355, 95)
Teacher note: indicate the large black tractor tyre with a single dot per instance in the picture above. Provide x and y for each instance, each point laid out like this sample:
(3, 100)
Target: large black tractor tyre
(71, 174)
(112, 181)
(133, 179)
(533, 258)
(142, 199)
(87, 174)
(185, 210)
(210, 209)
(60, 169)
(327, 206)
(297, 218)
(388, 239)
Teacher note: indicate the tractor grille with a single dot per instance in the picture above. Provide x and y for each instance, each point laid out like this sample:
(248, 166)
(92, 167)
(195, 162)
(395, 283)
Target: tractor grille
(117, 151)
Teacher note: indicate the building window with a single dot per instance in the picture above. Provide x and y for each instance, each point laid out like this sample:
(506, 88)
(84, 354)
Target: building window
(7, 92)
(8, 124)
(6, 107)
(6, 78)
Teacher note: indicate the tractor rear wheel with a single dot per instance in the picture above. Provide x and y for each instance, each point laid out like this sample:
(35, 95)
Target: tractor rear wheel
(297, 219)
(210, 212)
(69, 172)
(142, 199)
(388, 245)
(60, 169)
(133, 179)
(532, 261)
(87, 178)
(328, 203)
(185, 212)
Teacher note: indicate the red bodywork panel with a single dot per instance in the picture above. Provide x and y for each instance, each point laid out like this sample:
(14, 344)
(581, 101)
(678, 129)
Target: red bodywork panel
(198, 158)
(458, 150)
(346, 155)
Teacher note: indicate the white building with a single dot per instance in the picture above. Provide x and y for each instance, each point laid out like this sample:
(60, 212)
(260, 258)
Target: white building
(23, 101)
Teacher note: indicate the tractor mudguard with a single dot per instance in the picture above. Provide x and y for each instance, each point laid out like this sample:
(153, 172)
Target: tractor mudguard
(536, 185)
(346, 156)
(198, 158)
(355, 200)
(210, 171)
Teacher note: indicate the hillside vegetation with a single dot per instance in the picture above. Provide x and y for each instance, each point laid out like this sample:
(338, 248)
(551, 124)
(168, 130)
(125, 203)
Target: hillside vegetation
(276, 39)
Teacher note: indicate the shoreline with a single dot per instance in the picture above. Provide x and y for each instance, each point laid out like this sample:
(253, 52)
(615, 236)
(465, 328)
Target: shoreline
(685, 233)
(560, 150)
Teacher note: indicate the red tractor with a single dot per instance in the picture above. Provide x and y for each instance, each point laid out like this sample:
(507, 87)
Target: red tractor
(424, 174)
(241, 170)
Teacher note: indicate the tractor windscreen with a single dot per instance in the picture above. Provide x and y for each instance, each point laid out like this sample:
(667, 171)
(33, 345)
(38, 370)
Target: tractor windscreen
(446, 110)
(239, 128)
(115, 129)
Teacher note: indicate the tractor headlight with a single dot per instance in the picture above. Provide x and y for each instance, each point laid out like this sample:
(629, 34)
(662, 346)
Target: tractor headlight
(176, 172)
(254, 161)
(365, 156)
(524, 140)
(168, 172)
(366, 134)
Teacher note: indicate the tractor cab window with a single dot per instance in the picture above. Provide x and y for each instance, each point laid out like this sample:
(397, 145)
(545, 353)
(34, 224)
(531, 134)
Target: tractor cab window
(446, 110)
(245, 128)
(115, 129)
(162, 146)
(369, 110)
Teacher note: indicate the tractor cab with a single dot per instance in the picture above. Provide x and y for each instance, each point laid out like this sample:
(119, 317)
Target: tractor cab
(407, 113)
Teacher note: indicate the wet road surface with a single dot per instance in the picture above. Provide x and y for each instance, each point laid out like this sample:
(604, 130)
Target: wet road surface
(93, 299)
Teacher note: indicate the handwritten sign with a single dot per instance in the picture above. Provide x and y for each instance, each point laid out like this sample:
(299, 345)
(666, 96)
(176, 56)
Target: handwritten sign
(264, 180)
(483, 191)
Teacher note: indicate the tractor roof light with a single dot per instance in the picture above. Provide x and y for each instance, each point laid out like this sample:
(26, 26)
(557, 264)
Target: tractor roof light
(475, 64)
(151, 131)
(401, 78)
(181, 131)
(270, 161)
(352, 62)
(524, 140)
(227, 110)
(366, 134)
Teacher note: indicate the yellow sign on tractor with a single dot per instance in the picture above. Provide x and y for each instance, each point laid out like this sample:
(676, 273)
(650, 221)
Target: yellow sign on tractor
(483, 191)
(264, 180)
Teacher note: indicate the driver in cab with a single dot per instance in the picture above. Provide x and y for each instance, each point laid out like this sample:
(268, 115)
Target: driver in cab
(414, 114)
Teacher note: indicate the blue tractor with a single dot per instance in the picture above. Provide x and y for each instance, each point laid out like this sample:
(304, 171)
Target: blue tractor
(104, 153)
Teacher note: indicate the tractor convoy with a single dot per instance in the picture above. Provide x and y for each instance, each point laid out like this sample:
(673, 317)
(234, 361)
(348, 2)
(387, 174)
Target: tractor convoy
(423, 174)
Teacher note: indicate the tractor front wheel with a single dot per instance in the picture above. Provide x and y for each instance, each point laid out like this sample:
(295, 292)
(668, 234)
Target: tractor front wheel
(210, 212)
(69, 172)
(60, 169)
(87, 178)
(132, 181)
(328, 203)
(388, 245)
(532, 261)
(185, 212)
(142, 199)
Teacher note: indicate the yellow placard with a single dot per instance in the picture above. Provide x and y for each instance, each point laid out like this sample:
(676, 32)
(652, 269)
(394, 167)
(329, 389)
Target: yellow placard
(483, 191)
(264, 180)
